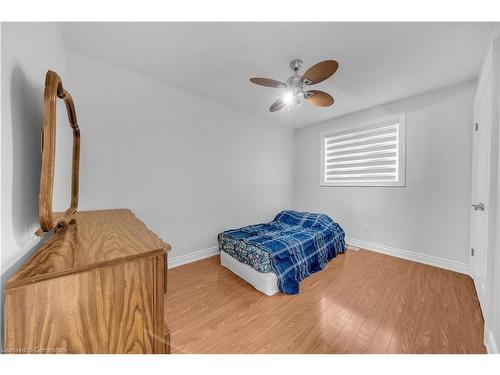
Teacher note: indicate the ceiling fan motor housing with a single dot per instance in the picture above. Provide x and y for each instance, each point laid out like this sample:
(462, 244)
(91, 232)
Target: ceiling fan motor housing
(297, 79)
(296, 84)
(294, 81)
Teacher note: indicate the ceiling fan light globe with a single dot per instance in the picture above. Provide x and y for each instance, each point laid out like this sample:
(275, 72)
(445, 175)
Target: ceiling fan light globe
(288, 97)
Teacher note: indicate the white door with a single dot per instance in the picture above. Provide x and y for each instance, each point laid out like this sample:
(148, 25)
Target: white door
(480, 183)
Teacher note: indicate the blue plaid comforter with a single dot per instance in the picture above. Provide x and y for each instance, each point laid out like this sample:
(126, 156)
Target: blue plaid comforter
(299, 243)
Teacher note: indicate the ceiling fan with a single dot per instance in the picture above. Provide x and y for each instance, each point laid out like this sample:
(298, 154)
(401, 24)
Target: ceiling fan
(296, 87)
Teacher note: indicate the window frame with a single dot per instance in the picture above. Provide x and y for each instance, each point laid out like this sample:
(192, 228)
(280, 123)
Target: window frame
(399, 118)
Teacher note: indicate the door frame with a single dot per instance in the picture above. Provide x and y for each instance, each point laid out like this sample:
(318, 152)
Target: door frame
(488, 292)
(478, 270)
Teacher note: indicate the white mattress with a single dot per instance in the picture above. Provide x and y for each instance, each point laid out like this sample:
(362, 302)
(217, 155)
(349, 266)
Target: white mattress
(265, 282)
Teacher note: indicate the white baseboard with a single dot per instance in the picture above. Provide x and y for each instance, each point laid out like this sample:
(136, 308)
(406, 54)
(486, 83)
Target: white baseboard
(410, 255)
(491, 346)
(192, 257)
(353, 245)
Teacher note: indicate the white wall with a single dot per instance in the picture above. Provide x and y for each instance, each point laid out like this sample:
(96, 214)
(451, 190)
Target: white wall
(430, 216)
(28, 50)
(187, 166)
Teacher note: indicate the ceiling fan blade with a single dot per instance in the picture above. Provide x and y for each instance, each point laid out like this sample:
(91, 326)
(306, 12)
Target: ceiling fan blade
(320, 98)
(277, 105)
(267, 82)
(321, 71)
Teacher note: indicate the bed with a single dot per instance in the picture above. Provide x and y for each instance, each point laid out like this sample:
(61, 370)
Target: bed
(278, 255)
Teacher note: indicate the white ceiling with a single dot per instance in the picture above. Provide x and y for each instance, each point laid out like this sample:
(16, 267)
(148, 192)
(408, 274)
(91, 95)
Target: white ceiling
(379, 62)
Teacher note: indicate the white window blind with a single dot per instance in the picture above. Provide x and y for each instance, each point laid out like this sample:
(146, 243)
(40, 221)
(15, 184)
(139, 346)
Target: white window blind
(370, 156)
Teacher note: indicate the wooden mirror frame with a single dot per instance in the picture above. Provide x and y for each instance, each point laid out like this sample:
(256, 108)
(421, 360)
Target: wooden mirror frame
(48, 220)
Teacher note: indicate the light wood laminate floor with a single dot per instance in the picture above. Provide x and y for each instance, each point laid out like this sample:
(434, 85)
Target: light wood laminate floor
(363, 302)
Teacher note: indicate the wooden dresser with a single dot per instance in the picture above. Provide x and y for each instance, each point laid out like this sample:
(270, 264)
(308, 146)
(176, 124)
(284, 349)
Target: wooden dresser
(96, 286)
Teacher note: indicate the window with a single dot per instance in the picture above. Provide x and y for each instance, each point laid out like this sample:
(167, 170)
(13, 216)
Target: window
(369, 156)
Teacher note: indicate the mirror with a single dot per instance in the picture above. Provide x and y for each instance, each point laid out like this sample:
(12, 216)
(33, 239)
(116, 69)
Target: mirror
(61, 194)
(49, 221)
